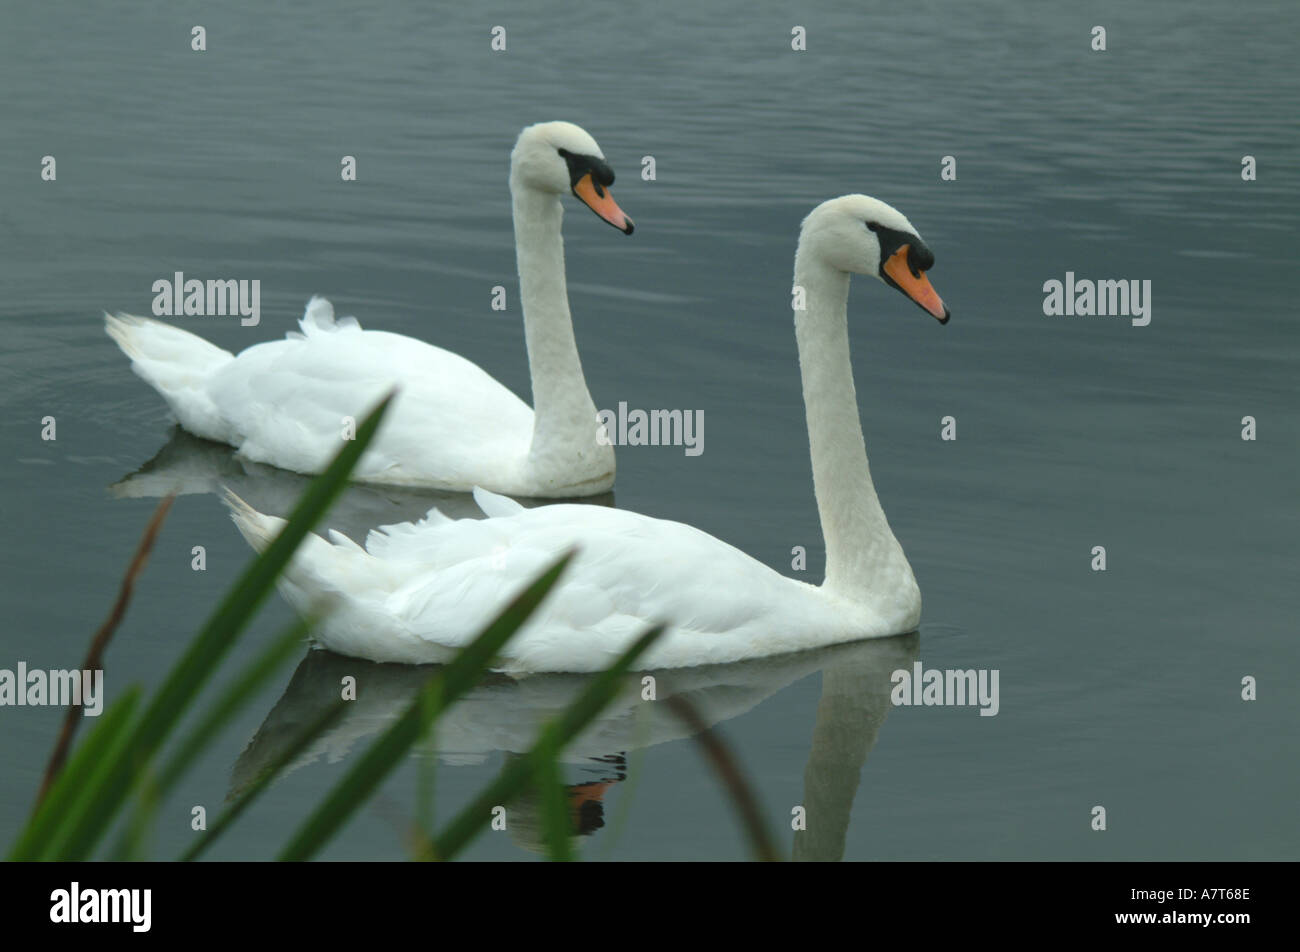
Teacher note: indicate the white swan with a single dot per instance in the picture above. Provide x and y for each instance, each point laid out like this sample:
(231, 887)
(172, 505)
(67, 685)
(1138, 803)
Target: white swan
(419, 590)
(452, 426)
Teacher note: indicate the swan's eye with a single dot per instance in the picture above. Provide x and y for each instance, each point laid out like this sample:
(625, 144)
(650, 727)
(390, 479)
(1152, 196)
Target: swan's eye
(872, 226)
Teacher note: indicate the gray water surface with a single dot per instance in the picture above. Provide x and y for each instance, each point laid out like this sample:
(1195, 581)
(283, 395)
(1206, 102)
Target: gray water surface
(1119, 688)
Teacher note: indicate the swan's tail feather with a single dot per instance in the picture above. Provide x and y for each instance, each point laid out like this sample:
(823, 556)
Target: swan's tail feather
(304, 582)
(178, 365)
(494, 504)
(319, 571)
(257, 529)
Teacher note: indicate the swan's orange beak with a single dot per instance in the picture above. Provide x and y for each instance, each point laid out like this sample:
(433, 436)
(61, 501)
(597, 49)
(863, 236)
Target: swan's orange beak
(915, 285)
(596, 197)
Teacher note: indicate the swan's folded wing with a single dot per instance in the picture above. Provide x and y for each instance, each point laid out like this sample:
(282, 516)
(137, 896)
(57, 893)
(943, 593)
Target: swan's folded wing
(289, 402)
(631, 571)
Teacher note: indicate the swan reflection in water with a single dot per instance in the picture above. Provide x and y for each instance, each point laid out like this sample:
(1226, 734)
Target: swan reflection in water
(190, 465)
(505, 714)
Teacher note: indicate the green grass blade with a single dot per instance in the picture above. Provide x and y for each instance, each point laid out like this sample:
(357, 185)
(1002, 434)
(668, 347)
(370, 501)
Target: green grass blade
(517, 774)
(200, 660)
(364, 776)
(115, 757)
(132, 844)
(444, 688)
(251, 792)
(425, 788)
(556, 825)
(241, 690)
(52, 813)
(471, 662)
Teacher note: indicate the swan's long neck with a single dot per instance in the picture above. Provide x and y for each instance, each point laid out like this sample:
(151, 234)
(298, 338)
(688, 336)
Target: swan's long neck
(864, 562)
(564, 422)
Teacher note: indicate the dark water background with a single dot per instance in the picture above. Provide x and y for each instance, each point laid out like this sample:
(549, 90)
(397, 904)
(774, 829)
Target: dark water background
(1119, 688)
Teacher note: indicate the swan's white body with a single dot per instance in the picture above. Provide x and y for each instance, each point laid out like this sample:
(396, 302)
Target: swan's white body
(284, 402)
(418, 591)
(452, 426)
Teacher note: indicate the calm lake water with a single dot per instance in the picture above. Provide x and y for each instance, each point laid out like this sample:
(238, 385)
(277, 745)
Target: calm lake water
(1119, 688)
